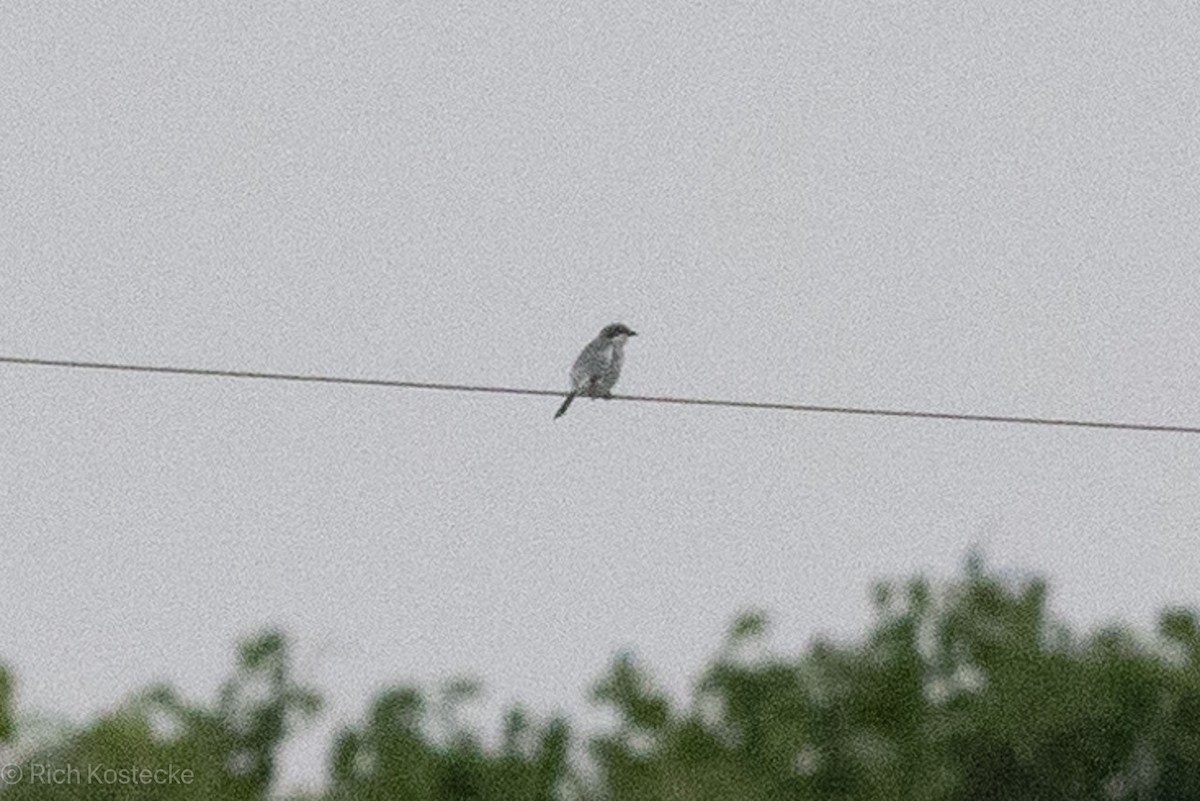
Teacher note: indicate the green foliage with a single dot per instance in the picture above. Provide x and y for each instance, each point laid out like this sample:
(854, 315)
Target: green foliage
(7, 728)
(964, 692)
(397, 755)
(159, 748)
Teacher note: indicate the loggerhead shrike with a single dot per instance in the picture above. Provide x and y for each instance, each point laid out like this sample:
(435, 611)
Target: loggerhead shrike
(598, 366)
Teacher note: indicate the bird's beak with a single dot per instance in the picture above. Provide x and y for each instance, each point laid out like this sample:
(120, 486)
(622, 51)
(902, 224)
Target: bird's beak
(633, 333)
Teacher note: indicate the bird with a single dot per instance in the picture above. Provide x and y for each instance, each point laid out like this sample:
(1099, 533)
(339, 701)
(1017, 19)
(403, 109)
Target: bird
(598, 365)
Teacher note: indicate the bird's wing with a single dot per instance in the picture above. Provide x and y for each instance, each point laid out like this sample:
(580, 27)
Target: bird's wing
(594, 359)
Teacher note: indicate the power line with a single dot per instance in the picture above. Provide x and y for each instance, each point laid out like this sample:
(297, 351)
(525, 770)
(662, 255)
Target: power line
(789, 407)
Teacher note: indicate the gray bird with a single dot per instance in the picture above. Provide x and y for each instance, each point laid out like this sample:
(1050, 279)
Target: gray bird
(598, 366)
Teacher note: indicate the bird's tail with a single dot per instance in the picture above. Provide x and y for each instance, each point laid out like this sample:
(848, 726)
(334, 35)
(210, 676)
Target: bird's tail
(563, 409)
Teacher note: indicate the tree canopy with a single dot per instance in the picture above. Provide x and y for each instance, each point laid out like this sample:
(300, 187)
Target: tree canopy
(964, 691)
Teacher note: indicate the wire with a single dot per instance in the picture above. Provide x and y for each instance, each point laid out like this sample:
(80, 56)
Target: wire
(789, 407)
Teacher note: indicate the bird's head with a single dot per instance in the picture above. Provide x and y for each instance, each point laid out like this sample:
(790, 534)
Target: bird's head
(618, 331)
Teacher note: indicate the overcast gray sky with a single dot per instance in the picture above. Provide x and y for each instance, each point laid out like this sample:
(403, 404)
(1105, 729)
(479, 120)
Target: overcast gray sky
(940, 206)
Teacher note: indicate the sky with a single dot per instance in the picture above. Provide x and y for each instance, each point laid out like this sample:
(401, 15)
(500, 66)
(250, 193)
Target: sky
(912, 205)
